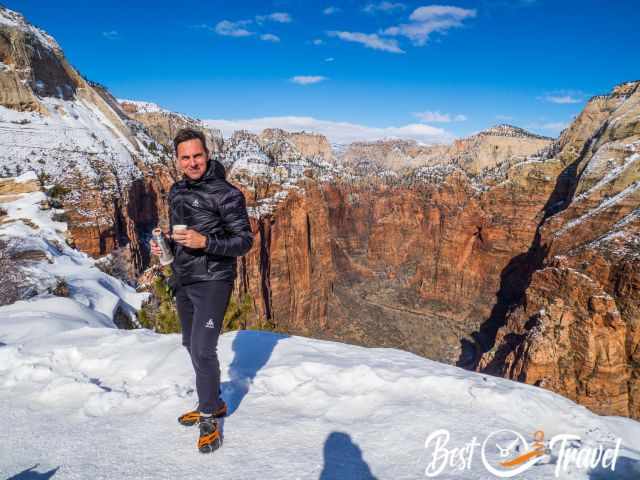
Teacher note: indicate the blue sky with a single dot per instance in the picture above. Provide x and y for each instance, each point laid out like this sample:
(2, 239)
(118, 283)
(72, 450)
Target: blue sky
(412, 68)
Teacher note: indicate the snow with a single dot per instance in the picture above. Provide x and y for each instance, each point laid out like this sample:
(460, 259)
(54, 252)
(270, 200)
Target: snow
(274, 157)
(506, 130)
(150, 107)
(144, 107)
(89, 287)
(629, 190)
(26, 177)
(622, 240)
(600, 164)
(74, 136)
(106, 403)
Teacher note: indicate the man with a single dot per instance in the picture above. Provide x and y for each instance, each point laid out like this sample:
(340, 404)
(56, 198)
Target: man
(204, 268)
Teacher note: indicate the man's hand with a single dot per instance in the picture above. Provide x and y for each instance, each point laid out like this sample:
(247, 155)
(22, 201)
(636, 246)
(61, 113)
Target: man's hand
(155, 249)
(190, 238)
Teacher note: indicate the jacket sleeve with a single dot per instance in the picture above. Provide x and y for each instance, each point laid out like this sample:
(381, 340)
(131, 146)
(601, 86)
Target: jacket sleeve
(239, 238)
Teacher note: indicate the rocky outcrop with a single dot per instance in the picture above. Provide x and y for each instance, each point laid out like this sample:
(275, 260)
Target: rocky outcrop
(568, 336)
(164, 124)
(576, 330)
(502, 145)
(396, 155)
(494, 146)
(10, 186)
(74, 136)
(307, 145)
(30, 62)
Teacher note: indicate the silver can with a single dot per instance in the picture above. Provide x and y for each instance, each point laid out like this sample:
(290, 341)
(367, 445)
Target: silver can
(166, 257)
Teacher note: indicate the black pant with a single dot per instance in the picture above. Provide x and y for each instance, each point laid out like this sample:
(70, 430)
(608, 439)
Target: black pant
(201, 308)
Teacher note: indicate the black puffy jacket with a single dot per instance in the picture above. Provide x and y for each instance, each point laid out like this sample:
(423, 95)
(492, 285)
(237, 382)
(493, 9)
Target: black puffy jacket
(216, 209)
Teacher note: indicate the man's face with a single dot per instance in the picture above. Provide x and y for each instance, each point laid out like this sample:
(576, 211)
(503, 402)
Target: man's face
(192, 158)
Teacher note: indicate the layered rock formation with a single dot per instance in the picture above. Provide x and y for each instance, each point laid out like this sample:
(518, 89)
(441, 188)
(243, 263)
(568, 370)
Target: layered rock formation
(73, 134)
(163, 124)
(394, 155)
(308, 144)
(494, 146)
(413, 262)
(576, 330)
(533, 263)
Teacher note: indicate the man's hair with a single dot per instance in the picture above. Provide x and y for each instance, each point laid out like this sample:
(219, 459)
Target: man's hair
(189, 134)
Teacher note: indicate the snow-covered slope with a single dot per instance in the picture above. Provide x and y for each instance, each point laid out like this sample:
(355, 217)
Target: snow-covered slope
(94, 297)
(54, 121)
(102, 403)
(82, 399)
(75, 137)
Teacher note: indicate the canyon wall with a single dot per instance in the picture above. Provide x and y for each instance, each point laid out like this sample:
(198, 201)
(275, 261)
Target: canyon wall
(576, 329)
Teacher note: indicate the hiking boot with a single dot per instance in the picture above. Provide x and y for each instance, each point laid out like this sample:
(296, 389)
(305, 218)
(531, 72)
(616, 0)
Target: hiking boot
(210, 438)
(191, 418)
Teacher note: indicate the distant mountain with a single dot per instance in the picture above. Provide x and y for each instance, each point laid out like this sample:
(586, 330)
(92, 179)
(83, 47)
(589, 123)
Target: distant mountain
(506, 130)
(53, 120)
(487, 149)
(393, 155)
(73, 134)
(495, 146)
(164, 124)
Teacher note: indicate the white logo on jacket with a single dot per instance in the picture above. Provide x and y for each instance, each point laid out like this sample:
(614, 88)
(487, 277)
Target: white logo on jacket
(196, 203)
(209, 324)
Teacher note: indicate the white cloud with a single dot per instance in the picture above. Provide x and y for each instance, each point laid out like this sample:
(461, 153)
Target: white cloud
(369, 40)
(336, 132)
(434, 12)
(439, 117)
(240, 28)
(383, 7)
(269, 37)
(329, 59)
(279, 17)
(233, 29)
(564, 97)
(331, 10)
(111, 34)
(426, 20)
(317, 41)
(307, 79)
